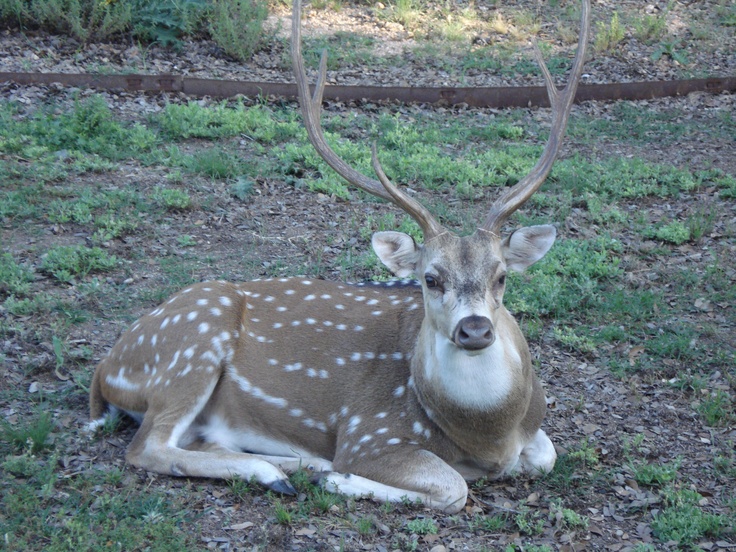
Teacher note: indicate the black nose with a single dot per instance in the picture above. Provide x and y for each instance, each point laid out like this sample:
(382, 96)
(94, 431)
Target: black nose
(474, 333)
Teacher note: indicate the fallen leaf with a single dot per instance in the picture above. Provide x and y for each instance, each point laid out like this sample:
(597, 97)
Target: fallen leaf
(634, 354)
(241, 526)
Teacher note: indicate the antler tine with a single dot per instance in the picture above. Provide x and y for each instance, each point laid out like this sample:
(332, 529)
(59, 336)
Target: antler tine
(311, 108)
(561, 102)
(429, 225)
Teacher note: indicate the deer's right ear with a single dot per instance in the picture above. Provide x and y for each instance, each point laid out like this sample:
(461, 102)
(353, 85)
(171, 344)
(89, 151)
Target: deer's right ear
(398, 251)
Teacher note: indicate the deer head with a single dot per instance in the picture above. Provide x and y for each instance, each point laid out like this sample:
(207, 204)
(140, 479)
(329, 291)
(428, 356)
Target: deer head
(463, 278)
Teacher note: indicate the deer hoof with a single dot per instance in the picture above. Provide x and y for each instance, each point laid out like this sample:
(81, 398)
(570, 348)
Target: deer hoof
(282, 486)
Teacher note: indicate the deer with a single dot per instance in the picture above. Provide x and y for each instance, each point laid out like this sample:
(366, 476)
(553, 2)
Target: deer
(402, 390)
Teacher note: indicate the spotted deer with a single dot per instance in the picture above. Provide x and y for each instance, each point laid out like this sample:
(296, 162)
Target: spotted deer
(399, 390)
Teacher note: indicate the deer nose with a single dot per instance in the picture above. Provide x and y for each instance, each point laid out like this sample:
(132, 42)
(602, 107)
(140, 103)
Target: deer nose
(474, 333)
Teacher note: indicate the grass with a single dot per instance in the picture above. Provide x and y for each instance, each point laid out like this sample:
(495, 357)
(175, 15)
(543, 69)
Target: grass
(105, 217)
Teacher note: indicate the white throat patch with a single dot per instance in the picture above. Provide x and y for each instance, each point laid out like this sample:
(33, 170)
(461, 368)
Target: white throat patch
(473, 379)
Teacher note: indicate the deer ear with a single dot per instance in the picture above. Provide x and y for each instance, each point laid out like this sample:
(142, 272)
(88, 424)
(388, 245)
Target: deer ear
(526, 246)
(398, 251)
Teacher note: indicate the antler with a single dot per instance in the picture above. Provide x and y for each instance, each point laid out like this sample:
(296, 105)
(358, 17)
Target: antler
(311, 112)
(561, 102)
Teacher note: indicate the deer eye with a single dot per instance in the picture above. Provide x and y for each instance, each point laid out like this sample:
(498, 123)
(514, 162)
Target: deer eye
(431, 281)
(502, 280)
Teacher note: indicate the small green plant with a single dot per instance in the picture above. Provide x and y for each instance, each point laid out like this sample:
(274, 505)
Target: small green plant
(655, 475)
(365, 526)
(215, 163)
(66, 262)
(675, 232)
(683, 521)
(672, 50)
(490, 524)
(15, 279)
(31, 435)
(568, 337)
(237, 26)
(529, 522)
(609, 36)
(585, 455)
(565, 518)
(283, 514)
(242, 188)
(422, 526)
(186, 240)
(700, 223)
(166, 21)
(172, 199)
(717, 409)
(239, 487)
(85, 20)
(649, 28)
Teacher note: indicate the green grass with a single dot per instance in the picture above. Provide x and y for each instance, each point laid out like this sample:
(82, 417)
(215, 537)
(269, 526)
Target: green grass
(65, 263)
(127, 519)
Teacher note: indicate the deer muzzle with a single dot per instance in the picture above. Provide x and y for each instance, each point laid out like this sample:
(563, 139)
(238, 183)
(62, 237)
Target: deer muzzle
(474, 333)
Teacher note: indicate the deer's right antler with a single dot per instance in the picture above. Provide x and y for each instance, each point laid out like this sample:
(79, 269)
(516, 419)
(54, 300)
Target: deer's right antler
(561, 102)
(311, 106)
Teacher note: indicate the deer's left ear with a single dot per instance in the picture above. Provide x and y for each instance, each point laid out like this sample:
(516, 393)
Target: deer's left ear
(398, 251)
(526, 246)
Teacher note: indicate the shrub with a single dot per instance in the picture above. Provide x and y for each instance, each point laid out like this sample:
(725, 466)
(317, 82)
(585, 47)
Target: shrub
(237, 26)
(85, 20)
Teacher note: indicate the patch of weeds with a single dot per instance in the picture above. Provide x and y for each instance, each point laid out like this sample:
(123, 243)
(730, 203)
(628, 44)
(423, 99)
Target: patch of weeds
(323, 501)
(717, 409)
(222, 120)
(608, 36)
(15, 279)
(422, 526)
(683, 520)
(166, 21)
(655, 475)
(109, 227)
(575, 342)
(701, 222)
(529, 522)
(672, 49)
(215, 163)
(675, 232)
(490, 524)
(66, 262)
(31, 435)
(242, 188)
(185, 240)
(344, 49)
(725, 464)
(27, 306)
(85, 20)
(679, 342)
(570, 277)
(172, 199)
(571, 470)
(237, 26)
(650, 28)
(365, 526)
(239, 487)
(282, 513)
(565, 518)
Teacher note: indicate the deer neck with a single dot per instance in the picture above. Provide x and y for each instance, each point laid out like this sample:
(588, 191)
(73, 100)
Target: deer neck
(471, 396)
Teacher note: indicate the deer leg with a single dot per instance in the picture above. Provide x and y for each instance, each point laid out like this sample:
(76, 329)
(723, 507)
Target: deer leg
(538, 456)
(416, 475)
(157, 447)
(152, 450)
